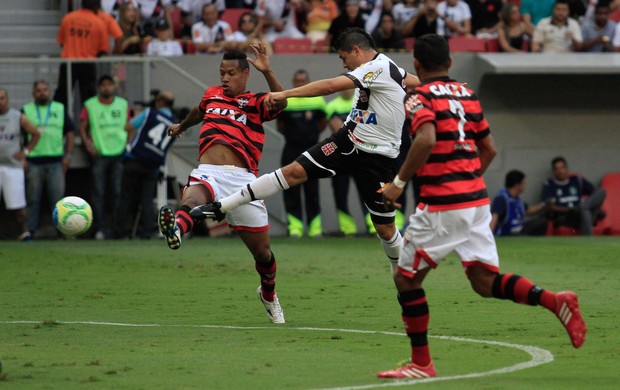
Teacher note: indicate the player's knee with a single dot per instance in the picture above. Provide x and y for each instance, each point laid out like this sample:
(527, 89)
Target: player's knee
(262, 254)
(481, 281)
(385, 232)
(294, 174)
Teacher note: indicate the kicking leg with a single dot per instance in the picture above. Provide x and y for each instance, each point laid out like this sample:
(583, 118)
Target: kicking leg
(174, 225)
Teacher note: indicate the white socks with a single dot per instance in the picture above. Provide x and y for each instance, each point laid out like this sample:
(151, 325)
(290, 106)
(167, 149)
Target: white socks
(392, 249)
(261, 188)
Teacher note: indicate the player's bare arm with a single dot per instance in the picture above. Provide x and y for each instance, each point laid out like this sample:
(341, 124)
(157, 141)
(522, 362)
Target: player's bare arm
(412, 81)
(316, 88)
(193, 118)
(262, 64)
(486, 152)
(420, 150)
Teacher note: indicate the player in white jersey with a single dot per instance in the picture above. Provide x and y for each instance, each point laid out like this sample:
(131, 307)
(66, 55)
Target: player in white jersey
(365, 147)
(12, 157)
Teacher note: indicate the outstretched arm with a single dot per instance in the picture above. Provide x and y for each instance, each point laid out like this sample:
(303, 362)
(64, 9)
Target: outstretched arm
(316, 88)
(193, 118)
(261, 63)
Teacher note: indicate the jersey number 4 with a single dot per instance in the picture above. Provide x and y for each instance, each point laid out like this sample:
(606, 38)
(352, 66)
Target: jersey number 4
(157, 136)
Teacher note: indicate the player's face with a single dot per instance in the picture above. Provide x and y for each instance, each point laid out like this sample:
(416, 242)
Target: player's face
(233, 78)
(41, 94)
(560, 171)
(107, 89)
(4, 102)
(349, 59)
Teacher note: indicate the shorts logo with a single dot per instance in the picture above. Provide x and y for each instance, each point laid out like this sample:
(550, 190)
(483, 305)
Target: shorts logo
(329, 148)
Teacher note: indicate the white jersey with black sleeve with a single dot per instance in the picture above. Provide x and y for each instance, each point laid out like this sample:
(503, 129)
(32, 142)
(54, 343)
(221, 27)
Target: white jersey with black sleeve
(376, 120)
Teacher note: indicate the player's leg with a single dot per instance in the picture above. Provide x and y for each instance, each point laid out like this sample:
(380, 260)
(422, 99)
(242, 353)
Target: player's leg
(266, 267)
(479, 256)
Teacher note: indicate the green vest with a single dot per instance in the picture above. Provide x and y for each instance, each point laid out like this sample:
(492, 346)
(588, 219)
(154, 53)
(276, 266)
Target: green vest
(340, 107)
(50, 120)
(306, 104)
(107, 125)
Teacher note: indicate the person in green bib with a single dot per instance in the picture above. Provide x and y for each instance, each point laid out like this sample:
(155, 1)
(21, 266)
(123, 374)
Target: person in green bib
(103, 128)
(49, 160)
(300, 123)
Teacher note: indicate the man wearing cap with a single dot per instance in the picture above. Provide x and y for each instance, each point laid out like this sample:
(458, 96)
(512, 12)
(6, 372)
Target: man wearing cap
(164, 45)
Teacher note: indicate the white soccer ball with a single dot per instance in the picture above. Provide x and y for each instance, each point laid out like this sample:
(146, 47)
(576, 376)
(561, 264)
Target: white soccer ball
(72, 216)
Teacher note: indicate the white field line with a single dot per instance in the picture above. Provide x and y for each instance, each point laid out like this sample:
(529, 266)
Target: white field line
(538, 355)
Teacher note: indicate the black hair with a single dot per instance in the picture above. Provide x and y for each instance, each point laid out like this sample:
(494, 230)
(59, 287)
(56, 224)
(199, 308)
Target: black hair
(106, 77)
(432, 52)
(239, 56)
(513, 178)
(40, 81)
(602, 4)
(557, 160)
(567, 2)
(354, 36)
(91, 4)
(252, 16)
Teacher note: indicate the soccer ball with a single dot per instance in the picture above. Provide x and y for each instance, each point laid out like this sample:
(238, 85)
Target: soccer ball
(72, 216)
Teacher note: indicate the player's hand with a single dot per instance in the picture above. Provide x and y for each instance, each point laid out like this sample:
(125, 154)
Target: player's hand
(261, 63)
(175, 130)
(390, 194)
(274, 99)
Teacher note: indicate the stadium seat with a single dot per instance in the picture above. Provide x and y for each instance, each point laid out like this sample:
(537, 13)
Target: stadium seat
(177, 22)
(232, 15)
(466, 44)
(320, 46)
(409, 42)
(189, 47)
(492, 45)
(292, 45)
(610, 225)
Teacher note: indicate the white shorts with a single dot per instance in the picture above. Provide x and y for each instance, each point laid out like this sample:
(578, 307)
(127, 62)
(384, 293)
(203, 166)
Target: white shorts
(432, 235)
(13, 187)
(224, 180)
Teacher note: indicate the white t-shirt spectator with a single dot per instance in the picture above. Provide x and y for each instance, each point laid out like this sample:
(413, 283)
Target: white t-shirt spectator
(556, 39)
(159, 48)
(221, 31)
(149, 8)
(112, 6)
(194, 7)
(458, 14)
(278, 10)
(403, 14)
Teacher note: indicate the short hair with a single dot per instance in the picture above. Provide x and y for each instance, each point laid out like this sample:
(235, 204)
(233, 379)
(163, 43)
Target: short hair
(165, 97)
(252, 16)
(567, 2)
(40, 81)
(354, 36)
(105, 77)
(432, 52)
(513, 178)
(302, 72)
(557, 160)
(91, 4)
(239, 56)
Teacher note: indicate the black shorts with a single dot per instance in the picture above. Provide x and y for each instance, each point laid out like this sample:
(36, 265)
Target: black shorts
(337, 155)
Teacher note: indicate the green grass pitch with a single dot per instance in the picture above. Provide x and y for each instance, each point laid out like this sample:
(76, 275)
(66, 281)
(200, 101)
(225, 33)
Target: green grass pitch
(135, 315)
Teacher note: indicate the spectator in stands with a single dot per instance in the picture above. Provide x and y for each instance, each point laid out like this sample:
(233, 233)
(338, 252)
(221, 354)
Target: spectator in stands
(164, 45)
(534, 11)
(615, 42)
(191, 12)
(249, 31)
(114, 30)
(558, 33)
(131, 41)
(371, 12)
(424, 22)
(351, 17)
(320, 14)
(211, 35)
(509, 211)
(12, 156)
(598, 32)
(300, 123)
(151, 11)
(49, 160)
(485, 16)
(614, 7)
(337, 112)
(102, 127)
(146, 152)
(404, 11)
(454, 18)
(386, 36)
(82, 35)
(566, 192)
(113, 7)
(279, 18)
(514, 34)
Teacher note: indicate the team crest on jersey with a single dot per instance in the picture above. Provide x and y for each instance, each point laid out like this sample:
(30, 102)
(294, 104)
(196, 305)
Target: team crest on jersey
(370, 77)
(412, 105)
(363, 97)
(242, 102)
(329, 148)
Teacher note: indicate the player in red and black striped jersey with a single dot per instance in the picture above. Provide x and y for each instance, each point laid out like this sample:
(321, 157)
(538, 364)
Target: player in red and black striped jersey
(231, 144)
(451, 150)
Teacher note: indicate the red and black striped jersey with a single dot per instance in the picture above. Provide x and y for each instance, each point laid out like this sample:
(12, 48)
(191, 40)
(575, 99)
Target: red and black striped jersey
(450, 178)
(236, 122)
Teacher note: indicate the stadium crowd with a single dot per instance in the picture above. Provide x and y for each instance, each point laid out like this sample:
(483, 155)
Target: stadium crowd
(181, 27)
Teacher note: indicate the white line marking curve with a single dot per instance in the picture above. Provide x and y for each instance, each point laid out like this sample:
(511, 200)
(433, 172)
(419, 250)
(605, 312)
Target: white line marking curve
(539, 356)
